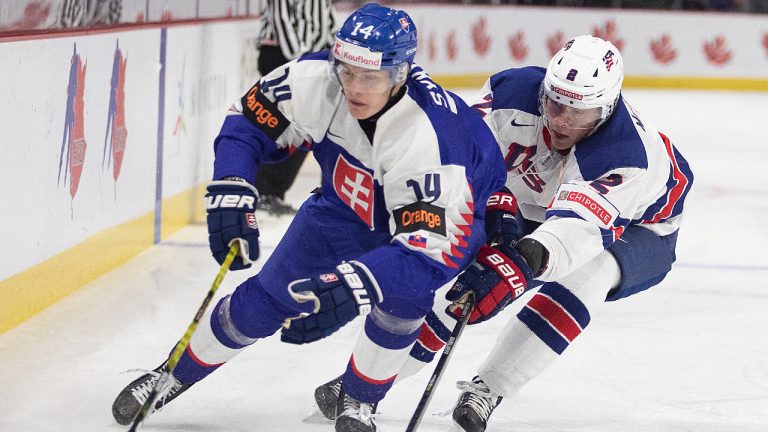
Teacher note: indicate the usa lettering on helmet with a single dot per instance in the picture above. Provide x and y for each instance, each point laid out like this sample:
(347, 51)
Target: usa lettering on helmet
(586, 73)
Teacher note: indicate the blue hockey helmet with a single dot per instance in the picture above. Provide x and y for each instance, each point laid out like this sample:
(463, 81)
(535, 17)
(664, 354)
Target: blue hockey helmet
(377, 37)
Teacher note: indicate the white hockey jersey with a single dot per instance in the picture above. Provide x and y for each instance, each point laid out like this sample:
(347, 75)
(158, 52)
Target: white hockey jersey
(430, 159)
(626, 173)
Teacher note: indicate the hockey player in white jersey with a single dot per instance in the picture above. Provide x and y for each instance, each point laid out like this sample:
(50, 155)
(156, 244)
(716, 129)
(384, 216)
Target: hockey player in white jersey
(406, 170)
(590, 213)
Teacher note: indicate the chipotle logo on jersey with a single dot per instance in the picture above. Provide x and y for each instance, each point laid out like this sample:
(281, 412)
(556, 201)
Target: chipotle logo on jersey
(420, 216)
(355, 187)
(588, 203)
(264, 113)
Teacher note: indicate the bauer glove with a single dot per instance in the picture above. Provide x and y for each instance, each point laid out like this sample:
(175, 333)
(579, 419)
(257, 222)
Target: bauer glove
(498, 276)
(503, 221)
(338, 298)
(231, 206)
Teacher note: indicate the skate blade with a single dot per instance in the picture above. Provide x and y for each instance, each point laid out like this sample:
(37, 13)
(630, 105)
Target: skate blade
(316, 417)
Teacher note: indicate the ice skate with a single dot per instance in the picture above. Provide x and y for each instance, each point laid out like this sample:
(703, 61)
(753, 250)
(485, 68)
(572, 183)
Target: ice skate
(354, 416)
(474, 406)
(128, 403)
(327, 396)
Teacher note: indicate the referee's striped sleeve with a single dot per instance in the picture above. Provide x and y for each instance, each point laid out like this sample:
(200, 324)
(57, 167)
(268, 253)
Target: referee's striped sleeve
(300, 26)
(288, 28)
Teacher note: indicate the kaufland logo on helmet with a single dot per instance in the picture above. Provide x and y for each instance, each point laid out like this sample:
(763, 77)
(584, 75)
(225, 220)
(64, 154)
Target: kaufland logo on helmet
(361, 60)
(357, 56)
(566, 93)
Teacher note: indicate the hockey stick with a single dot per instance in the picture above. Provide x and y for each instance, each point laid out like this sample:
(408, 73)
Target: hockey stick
(173, 360)
(434, 380)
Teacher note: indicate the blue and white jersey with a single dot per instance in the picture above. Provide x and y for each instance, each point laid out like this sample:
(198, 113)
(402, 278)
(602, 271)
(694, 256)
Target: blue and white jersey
(432, 159)
(626, 173)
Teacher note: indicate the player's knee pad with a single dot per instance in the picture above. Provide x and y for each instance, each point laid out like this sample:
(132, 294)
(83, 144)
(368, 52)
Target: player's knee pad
(593, 280)
(224, 327)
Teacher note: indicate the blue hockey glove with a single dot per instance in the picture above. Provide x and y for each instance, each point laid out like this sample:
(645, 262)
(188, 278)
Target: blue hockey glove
(338, 298)
(498, 276)
(231, 206)
(503, 221)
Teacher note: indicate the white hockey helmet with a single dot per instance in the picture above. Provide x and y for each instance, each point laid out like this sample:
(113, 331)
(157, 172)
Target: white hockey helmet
(585, 74)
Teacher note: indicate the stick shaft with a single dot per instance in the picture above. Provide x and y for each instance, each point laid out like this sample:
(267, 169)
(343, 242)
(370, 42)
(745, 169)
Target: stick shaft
(173, 360)
(434, 380)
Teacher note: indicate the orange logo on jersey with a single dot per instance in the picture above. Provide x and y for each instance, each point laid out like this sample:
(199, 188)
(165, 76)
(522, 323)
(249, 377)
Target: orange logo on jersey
(261, 113)
(409, 218)
(420, 216)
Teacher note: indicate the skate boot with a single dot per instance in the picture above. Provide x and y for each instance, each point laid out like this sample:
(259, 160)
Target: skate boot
(474, 406)
(353, 415)
(128, 403)
(326, 397)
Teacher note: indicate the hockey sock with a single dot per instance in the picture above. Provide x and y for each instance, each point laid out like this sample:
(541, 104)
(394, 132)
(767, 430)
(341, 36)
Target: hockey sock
(215, 342)
(379, 354)
(547, 324)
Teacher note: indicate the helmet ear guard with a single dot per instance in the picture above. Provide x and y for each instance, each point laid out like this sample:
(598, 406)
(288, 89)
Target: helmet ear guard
(586, 73)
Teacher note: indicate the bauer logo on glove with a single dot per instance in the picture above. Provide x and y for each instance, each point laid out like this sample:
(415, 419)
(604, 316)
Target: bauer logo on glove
(231, 206)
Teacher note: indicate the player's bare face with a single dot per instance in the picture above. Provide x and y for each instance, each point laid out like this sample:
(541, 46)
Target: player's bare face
(366, 91)
(568, 125)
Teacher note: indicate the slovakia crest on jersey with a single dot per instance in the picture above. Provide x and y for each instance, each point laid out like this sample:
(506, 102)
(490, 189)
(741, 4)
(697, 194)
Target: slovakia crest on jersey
(355, 187)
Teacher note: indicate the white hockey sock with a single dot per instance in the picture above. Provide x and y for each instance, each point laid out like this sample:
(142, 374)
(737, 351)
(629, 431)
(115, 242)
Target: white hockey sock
(204, 344)
(546, 326)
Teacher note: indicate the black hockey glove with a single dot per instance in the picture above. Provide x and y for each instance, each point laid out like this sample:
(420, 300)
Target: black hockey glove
(503, 221)
(231, 206)
(498, 276)
(338, 297)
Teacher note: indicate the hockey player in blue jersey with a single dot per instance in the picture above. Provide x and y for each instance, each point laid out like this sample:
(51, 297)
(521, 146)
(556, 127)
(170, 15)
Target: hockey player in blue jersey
(406, 170)
(589, 213)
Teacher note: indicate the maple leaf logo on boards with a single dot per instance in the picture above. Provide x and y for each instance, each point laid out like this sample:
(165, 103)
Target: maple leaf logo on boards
(73, 144)
(765, 42)
(609, 32)
(35, 15)
(481, 42)
(555, 42)
(518, 49)
(117, 134)
(451, 45)
(717, 52)
(662, 49)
